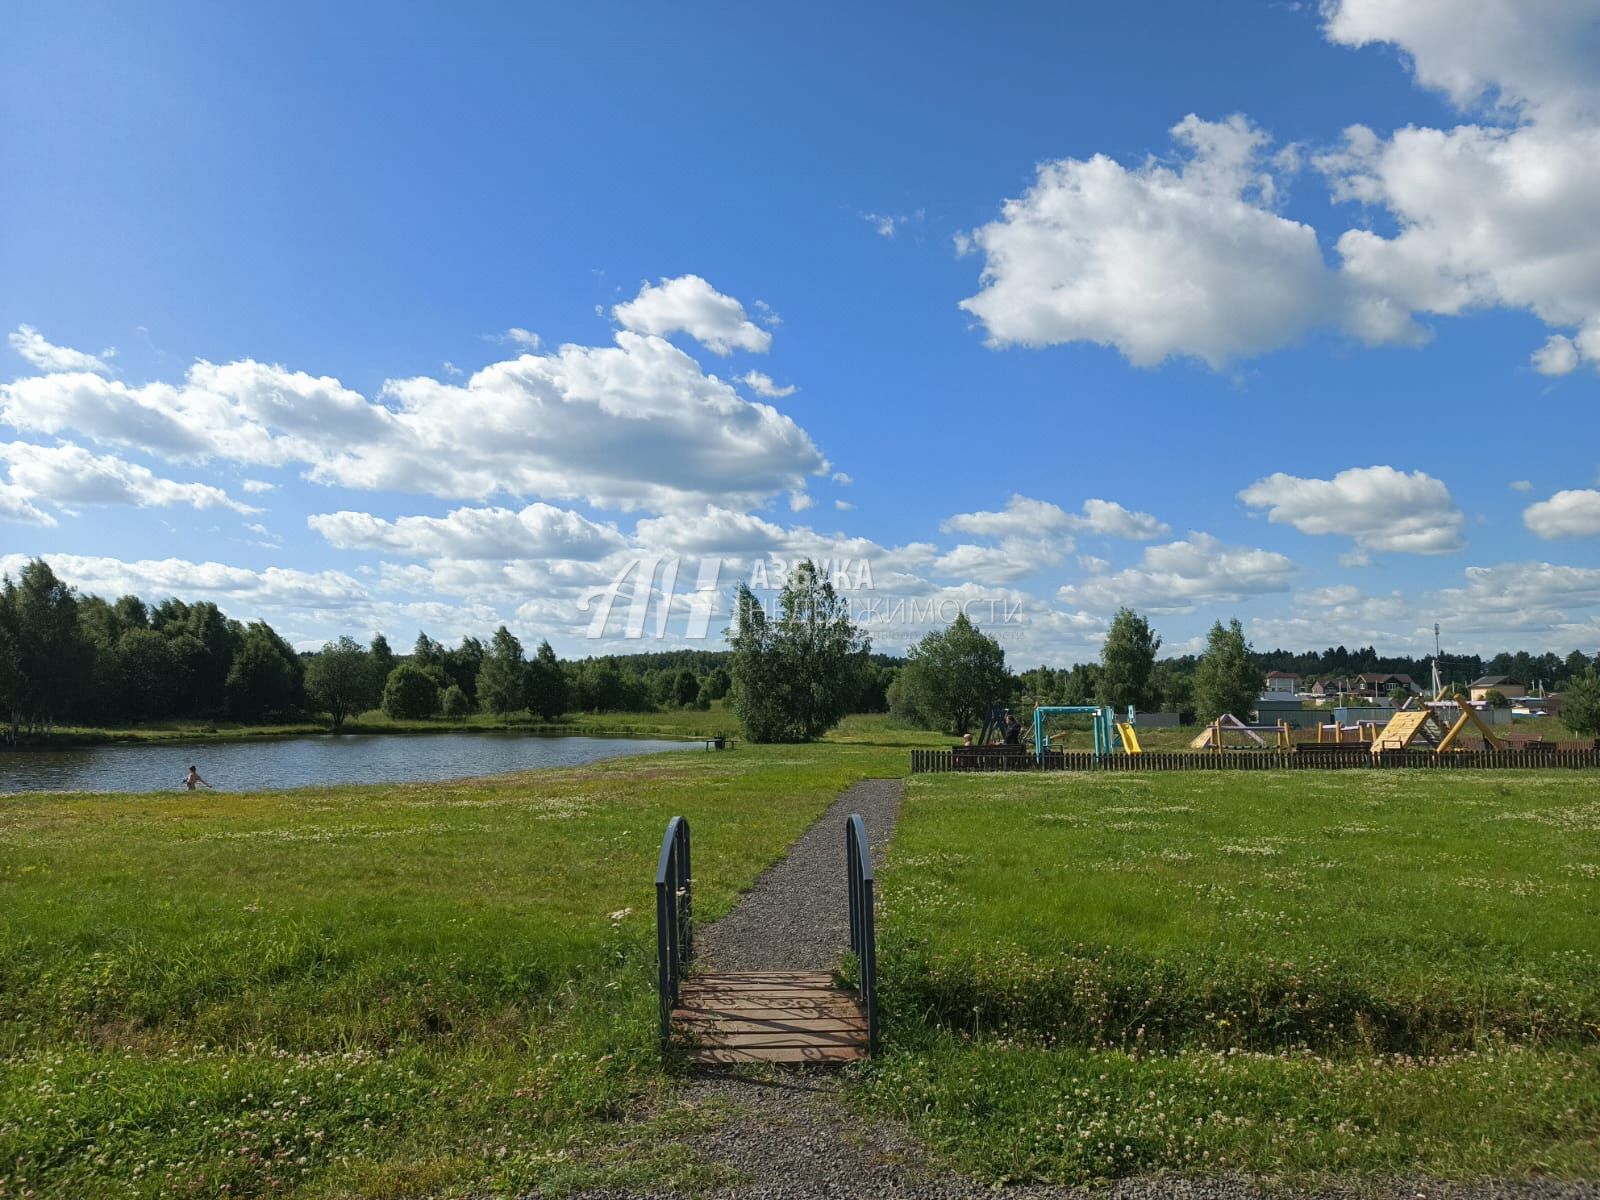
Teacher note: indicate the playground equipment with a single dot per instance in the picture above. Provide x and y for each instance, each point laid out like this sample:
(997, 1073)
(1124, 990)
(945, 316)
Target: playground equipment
(994, 727)
(1215, 736)
(1336, 734)
(1110, 734)
(1428, 722)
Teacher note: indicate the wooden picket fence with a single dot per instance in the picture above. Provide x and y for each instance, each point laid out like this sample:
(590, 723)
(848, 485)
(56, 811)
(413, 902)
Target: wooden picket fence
(1343, 758)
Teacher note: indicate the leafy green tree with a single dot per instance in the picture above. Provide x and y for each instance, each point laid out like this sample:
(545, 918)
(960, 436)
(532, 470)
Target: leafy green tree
(1172, 688)
(462, 664)
(339, 680)
(902, 699)
(1580, 704)
(1126, 661)
(953, 676)
(427, 652)
(53, 655)
(11, 679)
(1576, 665)
(209, 657)
(382, 660)
(758, 697)
(1227, 679)
(718, 683)
(793, 678)
(146, 673)
(454, 702)
(1398, 695)
(410, 694)
(502, 682)
(685, 688)
(546, 687)
(132, 613)
(1495, 698)
(266, 678)
(1082, 684)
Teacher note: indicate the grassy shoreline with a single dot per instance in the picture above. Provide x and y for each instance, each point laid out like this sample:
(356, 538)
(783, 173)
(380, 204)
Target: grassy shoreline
(686, 724)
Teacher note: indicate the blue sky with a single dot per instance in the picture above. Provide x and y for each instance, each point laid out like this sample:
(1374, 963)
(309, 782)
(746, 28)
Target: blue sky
(409, 317)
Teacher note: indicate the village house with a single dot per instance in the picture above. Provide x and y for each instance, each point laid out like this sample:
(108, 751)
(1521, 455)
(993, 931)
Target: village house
(1511, 689)
(1378, 685)
(1282, 683)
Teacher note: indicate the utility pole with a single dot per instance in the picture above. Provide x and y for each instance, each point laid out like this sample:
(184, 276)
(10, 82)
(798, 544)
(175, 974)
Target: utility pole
(1438, 682)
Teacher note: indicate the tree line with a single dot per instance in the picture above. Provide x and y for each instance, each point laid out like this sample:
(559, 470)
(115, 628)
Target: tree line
(785, 677)
(953, 676)
(72, 658)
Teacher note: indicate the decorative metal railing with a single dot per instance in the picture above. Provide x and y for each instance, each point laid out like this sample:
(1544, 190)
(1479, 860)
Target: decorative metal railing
(674, 918)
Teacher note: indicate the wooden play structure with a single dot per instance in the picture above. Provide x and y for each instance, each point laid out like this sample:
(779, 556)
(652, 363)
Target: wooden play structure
(1437, 724)
(1246, 737)
(1358, 734)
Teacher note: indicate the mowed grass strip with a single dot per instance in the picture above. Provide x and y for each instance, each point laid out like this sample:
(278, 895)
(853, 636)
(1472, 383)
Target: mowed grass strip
(375, 990)
(1093, 976)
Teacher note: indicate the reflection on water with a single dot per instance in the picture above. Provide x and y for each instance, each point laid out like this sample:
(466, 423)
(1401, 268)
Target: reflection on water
(298, 762)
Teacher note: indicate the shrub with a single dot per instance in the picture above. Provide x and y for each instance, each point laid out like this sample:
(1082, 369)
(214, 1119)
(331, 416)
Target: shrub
(454, 702)
(410, 694)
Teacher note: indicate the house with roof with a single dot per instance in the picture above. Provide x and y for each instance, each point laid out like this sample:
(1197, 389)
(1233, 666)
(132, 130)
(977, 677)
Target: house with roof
(1478, 690)
(1332, 689)
(1378, 684)
(1282, 683)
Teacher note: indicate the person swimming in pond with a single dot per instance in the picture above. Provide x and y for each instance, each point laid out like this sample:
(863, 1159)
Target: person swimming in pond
(192, 779)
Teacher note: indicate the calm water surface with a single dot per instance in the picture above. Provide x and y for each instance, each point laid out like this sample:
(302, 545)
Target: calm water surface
(298, 762)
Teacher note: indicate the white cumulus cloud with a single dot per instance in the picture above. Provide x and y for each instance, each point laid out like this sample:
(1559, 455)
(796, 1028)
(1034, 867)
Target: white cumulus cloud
(1533, 56)
(688, 304)
(46, 356)
(537, 531)
(762, 385)
(637, 424)
(1177, 576)
(1572, 513)
(1498, 213)
(1153, 260)
(1024, 516)
(1381, 508)
(69, 476)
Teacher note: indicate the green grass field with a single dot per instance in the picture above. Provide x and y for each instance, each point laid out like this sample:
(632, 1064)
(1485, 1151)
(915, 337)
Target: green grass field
(448, 989)
(1096, 976)
(409, 990)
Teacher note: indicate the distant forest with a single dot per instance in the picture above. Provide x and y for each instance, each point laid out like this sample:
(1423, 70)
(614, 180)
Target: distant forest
(67, 658)
(82, 659)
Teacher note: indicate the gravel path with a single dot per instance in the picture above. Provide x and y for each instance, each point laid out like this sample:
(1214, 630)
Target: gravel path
(787, 1134)
(790, 1136)
(797, 917)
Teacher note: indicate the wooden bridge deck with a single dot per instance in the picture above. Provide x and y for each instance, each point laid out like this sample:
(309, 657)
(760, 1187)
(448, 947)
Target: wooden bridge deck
(769, 1016)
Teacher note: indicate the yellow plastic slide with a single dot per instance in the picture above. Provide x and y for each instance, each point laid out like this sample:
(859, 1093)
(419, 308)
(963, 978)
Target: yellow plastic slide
(1130, 739)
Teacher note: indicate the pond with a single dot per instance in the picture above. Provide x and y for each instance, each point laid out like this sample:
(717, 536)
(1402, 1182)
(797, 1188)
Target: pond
(301, 761)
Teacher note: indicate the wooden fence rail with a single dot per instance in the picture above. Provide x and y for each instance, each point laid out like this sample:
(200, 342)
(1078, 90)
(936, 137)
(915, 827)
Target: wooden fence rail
(1352, 758)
